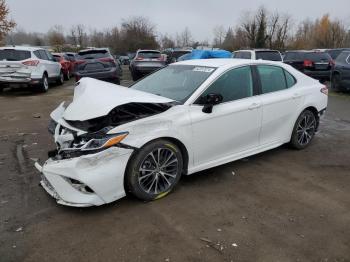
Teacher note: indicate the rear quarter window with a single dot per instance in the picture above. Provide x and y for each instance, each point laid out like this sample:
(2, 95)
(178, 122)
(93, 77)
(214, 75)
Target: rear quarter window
(14, 55)
(290, 79)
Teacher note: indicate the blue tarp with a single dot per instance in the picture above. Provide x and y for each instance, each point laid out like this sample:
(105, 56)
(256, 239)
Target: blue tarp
(207, 54)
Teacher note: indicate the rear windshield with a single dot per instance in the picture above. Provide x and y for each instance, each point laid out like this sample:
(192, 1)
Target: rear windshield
(268, 55)
(294, 56)
(14, 55)
(149, 54)
(94, 54)
(318, 57)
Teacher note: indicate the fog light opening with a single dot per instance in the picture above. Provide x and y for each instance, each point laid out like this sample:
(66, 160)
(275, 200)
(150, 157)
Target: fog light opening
(80, 186)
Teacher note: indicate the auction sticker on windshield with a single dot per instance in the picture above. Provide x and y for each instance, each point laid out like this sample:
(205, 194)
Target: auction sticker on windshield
(203, 69)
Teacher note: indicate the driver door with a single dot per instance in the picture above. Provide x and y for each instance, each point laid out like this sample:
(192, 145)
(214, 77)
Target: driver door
(233, 126)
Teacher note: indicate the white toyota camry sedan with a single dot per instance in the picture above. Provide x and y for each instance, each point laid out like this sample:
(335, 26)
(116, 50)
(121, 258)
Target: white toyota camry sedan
(184, 118)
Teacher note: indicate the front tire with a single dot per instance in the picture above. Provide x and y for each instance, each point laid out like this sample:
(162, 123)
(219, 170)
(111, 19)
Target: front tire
(304, 130)
(155, 170)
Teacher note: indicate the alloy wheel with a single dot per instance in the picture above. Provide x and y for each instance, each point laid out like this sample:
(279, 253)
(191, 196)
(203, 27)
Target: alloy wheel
(158, 171)
(306, 129)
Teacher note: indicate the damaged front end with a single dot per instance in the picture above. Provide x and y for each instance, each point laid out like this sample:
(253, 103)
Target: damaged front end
(88, 165)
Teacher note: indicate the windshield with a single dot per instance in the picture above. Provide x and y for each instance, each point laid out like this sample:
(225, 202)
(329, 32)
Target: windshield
(177, 82)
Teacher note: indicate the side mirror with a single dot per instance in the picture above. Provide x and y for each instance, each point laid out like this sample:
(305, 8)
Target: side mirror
(209, 101)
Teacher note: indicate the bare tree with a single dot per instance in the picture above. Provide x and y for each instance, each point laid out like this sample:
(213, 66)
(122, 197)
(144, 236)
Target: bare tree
(167, 41)
(138, 33)
(6, 24)
(219, 35)
(184, 39)
(56, 37)
(78, 35)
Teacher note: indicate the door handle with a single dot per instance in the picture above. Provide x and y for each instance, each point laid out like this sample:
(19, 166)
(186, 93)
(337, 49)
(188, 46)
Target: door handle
(254, 106)
(296, 95)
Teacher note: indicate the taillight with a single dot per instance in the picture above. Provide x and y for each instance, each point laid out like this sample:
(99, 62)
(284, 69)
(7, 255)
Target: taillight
(324, 90)
(161, 58)
(107, 60)
(31, 63)
(308, 63)
(139, 58)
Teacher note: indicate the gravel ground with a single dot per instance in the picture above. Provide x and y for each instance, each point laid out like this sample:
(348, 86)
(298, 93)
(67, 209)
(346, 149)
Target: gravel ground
(281, 205)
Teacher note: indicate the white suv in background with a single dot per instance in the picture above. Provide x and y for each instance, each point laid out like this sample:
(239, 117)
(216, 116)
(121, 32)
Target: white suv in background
(28, 66)
(258, 54)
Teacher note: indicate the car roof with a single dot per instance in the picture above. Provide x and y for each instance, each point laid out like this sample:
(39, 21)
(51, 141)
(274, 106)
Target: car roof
(23, 48)
(95, 49)
(219, 62)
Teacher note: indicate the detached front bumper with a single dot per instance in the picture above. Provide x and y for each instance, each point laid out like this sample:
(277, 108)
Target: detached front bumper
(89, 180)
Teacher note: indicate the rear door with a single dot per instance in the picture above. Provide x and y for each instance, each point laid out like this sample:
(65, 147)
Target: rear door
(281, 100)
(55, 67)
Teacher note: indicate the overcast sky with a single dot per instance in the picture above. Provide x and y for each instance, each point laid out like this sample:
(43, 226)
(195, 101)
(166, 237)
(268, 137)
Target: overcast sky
(168, 16)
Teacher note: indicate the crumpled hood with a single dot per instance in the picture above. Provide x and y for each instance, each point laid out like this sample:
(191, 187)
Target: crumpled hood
(94, 98)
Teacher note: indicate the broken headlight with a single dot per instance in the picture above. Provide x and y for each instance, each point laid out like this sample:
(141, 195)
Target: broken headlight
(93, 145)
(102, 143)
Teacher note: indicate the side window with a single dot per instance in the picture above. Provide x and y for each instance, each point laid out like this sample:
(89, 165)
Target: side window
(49, 55)
(37, 54)
(272, 78)
(232, 85)
(290, 79)
(43, 55)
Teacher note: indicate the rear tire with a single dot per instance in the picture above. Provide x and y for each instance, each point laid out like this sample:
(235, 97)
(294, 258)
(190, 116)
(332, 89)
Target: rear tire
(67, 76)
(135, 76)
(44, 85)
(155, 170)
(304, 130)
(60, 80)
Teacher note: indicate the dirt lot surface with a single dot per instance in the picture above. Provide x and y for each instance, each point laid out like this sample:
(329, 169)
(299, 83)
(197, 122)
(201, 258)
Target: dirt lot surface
(281, 205)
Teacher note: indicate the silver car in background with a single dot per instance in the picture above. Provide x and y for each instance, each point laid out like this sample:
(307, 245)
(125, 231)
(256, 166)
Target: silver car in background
(34, 67)
(146, 62)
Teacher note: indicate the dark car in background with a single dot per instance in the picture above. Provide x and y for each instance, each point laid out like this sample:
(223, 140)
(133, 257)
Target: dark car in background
(124, 59)
(100, 64)
(146, 62)
(340, 80)
(334, 53)
(174, 54)
(315, 64)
